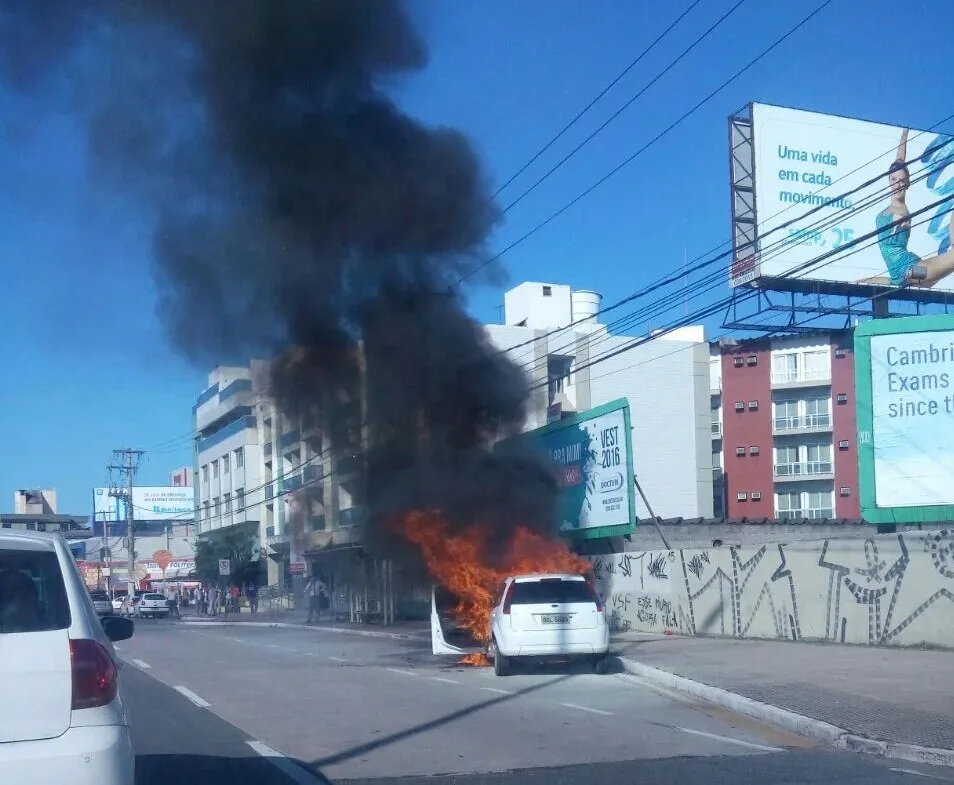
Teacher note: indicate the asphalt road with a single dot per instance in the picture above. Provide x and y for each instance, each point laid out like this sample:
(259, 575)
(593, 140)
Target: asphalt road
(227, 704)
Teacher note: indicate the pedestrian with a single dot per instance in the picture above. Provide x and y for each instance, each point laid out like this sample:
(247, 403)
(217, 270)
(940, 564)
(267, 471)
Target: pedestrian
(314, 591)
(251, 592)
(235, 598)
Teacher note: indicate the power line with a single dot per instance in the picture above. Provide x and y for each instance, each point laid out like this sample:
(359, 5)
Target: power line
(602, 93)
(685, 52)
(547, 221)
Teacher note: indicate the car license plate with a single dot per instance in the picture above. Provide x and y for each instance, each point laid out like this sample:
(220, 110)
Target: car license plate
(551, 619)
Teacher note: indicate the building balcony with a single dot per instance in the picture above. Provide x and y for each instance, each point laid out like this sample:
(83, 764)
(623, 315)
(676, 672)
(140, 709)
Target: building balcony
(810, 423)
(290, 439)
(716, 429)
(801, 378)
(312, 473)
(269, 491)
(810, 514)
(290, 483)
(267, 449)
(353, 516)
(804, 470)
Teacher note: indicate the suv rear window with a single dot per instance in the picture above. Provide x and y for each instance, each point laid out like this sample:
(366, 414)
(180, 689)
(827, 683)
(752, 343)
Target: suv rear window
(32, 594)
(154, 597)
(551, 590)
(99, 596)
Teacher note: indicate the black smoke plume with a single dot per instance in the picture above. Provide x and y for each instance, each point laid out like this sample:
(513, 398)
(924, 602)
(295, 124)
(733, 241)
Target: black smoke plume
(300, 213)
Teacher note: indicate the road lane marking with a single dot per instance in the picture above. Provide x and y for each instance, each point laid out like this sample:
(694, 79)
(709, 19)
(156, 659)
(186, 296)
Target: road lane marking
(293, 771)
(403, 673)
(444, 681)
(141, 664)
(587, 708)
(338, 659)
(201, 703)
(497, 690)
(921, 774)
(729, 740)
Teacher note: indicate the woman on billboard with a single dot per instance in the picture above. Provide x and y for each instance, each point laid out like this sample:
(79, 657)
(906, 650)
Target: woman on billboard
(906, 268)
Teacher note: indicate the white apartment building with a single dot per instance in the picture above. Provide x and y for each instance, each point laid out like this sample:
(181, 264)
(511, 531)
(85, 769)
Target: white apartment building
(228, 462)
(666, 382)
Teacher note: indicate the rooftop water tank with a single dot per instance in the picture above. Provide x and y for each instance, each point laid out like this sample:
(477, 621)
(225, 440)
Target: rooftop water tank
(586, 305)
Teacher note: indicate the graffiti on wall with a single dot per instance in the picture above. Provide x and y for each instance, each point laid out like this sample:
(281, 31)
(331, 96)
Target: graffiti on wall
(887, 590)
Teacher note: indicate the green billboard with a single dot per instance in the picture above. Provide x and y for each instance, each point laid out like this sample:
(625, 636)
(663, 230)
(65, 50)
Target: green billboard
(904, 378)
(593, 456)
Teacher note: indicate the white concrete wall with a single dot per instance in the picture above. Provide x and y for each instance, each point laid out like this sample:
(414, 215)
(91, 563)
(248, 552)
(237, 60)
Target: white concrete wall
(884, 590)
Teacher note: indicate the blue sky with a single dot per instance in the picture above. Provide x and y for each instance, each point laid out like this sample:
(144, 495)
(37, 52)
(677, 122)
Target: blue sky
(87, 368)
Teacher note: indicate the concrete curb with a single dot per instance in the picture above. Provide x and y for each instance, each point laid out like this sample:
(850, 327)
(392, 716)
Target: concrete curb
(291, 626)
(789, 720)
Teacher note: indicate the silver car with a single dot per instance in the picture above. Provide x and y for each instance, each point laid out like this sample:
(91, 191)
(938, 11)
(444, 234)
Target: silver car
(101, 602)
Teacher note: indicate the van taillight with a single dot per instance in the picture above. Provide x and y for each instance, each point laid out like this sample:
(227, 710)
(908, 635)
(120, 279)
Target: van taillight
(95, 678)
(508, 598)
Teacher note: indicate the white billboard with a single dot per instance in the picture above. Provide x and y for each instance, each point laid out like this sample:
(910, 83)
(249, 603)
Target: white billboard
(803, 161)
(149, 503)
(912, 418)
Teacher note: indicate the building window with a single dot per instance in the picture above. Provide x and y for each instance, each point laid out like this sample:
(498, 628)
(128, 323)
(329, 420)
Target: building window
(239, 499)
(228, 502)
(215, 506)
(793, 367)
(788, 504)
(239, 457)
(205, 473)
(205, 509)
(215, 469)
(547, 291)
(225, 464)
(820, 504)
(558, 375)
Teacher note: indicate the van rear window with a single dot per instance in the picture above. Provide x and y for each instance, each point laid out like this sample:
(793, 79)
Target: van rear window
(551, 591)
(32, 594)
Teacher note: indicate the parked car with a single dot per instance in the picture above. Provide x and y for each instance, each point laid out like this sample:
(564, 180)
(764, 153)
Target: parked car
(547, 616)
(118, 602)
(152, 605)
(101, 602)
(62, 715)
(130, 605)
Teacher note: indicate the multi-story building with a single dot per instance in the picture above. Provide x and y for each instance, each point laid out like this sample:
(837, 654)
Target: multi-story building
(554, 334)
(228, 487)
(783, 427)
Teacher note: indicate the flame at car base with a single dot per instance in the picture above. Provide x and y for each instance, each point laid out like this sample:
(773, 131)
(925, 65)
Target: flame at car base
(471, 568)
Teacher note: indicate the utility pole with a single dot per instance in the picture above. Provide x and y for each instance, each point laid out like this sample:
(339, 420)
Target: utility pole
(126, 467)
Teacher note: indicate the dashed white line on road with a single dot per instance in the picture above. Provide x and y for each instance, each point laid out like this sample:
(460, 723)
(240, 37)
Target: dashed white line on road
(200, 702)
(921, 774)
(497, 690)
(293, 771)
(445, 681)
(403, 673)
(587, 708)
(338, 659)
(729, 740)
(141, 664)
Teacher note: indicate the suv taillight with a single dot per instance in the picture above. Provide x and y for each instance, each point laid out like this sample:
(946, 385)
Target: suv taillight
(508, 598)
(95, 678)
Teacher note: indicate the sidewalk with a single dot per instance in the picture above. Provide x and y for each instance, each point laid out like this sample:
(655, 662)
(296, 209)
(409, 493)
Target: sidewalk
(889, 701)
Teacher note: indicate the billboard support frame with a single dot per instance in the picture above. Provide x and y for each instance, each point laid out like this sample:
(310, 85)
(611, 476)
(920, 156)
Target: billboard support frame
(745, 225)
(871, 513)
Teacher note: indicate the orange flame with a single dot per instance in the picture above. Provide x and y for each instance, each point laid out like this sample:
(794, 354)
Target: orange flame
(460, 563)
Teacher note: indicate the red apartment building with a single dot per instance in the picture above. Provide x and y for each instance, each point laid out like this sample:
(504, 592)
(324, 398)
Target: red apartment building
(784, 434)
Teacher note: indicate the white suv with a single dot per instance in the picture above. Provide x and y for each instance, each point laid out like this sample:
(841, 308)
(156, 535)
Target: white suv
(61, 714)
(547, 616)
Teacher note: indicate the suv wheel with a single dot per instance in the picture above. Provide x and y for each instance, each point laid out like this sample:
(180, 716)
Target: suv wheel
(502, 664)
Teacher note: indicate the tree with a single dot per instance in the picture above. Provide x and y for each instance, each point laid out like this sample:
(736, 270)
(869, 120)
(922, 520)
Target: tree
(235, 543)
